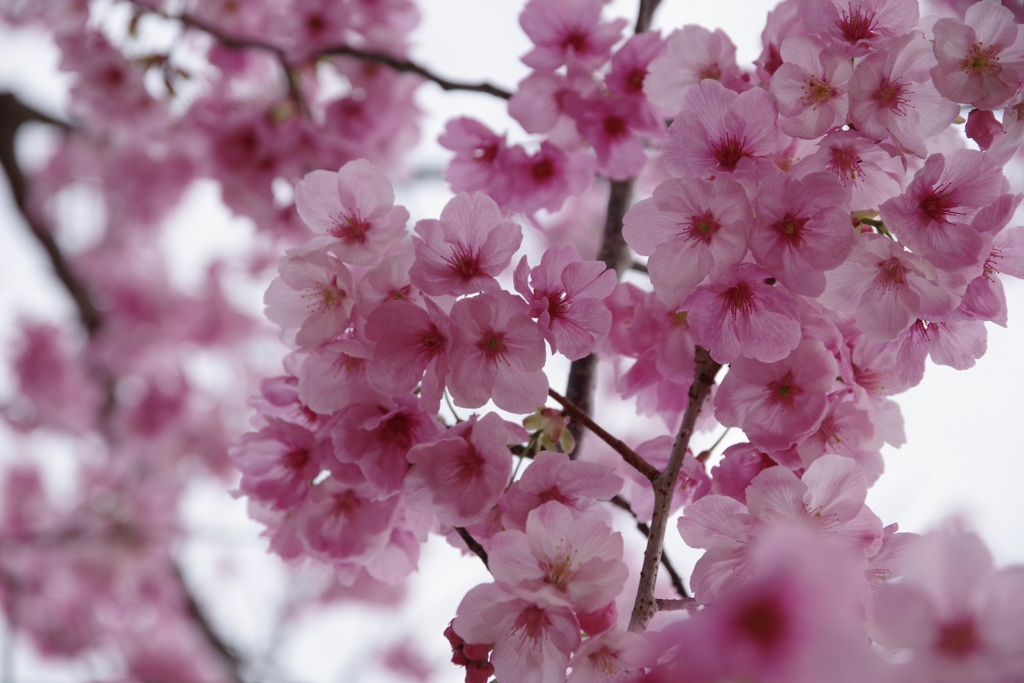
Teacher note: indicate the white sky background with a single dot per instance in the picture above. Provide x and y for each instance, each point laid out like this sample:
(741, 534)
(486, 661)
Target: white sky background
(965, 430)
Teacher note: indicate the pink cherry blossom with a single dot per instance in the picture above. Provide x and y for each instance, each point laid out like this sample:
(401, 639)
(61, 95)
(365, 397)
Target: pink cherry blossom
(828, 499)
(566, 295)
(691, 229)
(980, 59)
(891, 93)
(561, 559)
(794, 619)
(983, 128)
(692, 54)
(778, 404)
(740, 315)
(859, 26)
(955, 615)
(802, 230)
(313, 294)
(568, 30)
(410, 347)
(847, 430)
(466, 249)
(576, 484)
(356, 207)
(872, 172)
(461, 474)
(614, 127)
(279, 463)
(933, 216)
(497, 353)
(345, 521)
(888, 288)
(532, 644)
(479, 156)
(377, 436)
(720, 132)
(542, 180)
(631, 67)
(611, 657)
(739, 465)
(332, 375)
(810, 87)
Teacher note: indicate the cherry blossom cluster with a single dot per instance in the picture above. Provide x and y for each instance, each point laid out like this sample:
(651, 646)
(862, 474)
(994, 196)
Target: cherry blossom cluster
(801, 236)
(165, 101)
(817, 225)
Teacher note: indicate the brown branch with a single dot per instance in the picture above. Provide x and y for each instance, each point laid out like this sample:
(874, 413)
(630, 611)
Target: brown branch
(287, 64)
(628, 454)
(645, 16)
(229, 658)
(473, 544)
(666, 605)
(642, 527)
(408, 66)
(664, 487)
(14, 113)
(614, 252)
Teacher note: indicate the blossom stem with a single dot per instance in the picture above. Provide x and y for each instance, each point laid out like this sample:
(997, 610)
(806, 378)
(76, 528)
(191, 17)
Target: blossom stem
(645, 605)
(628, 454)
(231, 661)
(645, 529)
(645, 16)
(665, 605)
(615, 254)
(13, 113)
(374, 57)
(473, 544)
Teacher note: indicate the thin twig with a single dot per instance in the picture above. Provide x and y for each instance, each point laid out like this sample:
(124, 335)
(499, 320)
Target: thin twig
(408, 66)
(628, 454)
(667, 605)
(288, 64)
(664, 487)
(472, 544)
(579, 388)
(14, 113)
(645, 17)
(677, 580)
(231, 661)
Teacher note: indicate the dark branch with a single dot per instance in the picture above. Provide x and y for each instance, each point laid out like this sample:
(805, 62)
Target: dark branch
(614, 252)
(472, 544)
(664, 487)
(642, 527)
(645, 17)
(665, 605)
(628, 454)
(407, 66)
(14, 113)
(231, 661)
(371, 56)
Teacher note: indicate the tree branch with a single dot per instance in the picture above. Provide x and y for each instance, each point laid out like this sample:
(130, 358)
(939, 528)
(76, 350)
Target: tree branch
(408, 66)
(664, 487)
(628, 454)
(677, 580)
(287, 64)
(473, 544)
(14, 113)
(615, 254)
(231, 661)
(645, 17)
